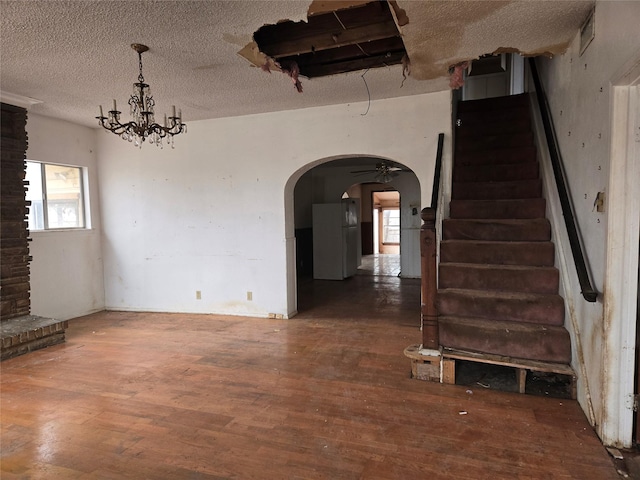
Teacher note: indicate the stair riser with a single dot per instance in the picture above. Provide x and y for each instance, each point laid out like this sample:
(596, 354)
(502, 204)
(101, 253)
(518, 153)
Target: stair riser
(470, 128)
(496, 190)
(498, 209)
(496, 173)
(548, 344)
(537, 254)
(486, 142)
(547, 310)
(499, 156)
(526, 230)
(522, 280)
(495, 105)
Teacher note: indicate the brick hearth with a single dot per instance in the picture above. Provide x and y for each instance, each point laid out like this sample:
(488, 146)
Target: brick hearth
(21, 335)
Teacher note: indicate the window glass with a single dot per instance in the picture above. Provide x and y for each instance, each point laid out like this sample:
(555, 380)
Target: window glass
(390, 225)
(56, 195)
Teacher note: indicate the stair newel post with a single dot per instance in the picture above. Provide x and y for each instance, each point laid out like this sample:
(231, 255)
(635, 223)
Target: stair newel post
(429, 284)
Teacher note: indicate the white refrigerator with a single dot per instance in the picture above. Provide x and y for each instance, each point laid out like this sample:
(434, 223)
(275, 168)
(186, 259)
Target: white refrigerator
(336, 239)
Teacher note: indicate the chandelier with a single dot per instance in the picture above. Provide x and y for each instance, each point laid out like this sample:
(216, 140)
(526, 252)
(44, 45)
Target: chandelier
(141, 107)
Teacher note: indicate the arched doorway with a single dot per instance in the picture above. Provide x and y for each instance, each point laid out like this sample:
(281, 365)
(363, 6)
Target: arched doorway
(326, 181)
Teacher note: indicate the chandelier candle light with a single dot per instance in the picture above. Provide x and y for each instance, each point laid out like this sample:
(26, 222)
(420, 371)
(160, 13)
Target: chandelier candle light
(141, 105)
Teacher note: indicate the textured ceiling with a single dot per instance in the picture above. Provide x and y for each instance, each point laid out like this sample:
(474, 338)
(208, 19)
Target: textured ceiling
(75, 55)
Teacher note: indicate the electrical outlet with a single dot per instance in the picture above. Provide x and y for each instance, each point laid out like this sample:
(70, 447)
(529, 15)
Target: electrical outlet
(249, 296)
(198, 295)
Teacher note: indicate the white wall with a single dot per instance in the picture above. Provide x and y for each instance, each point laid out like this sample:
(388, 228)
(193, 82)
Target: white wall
(66, 271)
(216, 214)
(579, 89)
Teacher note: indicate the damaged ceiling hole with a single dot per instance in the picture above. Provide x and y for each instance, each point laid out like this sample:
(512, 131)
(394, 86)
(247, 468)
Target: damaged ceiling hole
(339, 41)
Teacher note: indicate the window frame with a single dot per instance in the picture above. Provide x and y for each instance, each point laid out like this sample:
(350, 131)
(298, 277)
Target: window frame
(384, 225)
(83, 202)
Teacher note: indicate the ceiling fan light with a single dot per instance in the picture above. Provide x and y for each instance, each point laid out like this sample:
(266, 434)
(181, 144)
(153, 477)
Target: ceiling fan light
(383, 177)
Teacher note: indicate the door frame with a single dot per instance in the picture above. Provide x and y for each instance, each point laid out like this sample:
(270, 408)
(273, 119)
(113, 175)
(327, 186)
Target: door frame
(621, 273)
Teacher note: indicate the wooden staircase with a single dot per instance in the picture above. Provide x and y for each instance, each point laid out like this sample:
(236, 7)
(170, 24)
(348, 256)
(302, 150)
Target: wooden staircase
(498, 287)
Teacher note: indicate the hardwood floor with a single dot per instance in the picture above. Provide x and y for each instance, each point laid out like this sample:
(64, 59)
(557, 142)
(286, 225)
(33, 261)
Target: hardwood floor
(325, 395)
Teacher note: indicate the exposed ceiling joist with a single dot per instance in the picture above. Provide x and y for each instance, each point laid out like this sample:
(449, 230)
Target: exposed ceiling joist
(332, 39)
(339, 41)
(353, 65)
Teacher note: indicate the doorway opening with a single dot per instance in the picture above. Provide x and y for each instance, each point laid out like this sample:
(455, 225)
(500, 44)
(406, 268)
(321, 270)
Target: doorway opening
(386, 215)
(391, 248)
(381, 248)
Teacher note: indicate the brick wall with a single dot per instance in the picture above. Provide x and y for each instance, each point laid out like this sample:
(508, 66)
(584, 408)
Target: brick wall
(14, 247)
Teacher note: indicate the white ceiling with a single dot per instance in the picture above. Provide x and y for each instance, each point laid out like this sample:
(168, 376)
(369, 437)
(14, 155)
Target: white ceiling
(74, 55)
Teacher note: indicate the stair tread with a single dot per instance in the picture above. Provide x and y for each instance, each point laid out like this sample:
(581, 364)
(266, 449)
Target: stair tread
(524, 181)
(500, 294)
(496, 242)
(529, 341)
(496, 173)
(524, 229)
(502, 221)
(499, 323)
(499, 266)
(541, 308)
(483, 142)
(502, 103)
(502, 200)
(498, 208)
(502, 155)
(498, 166)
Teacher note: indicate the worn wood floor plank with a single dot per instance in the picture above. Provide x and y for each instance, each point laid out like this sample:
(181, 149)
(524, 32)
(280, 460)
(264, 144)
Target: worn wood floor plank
(326, 395)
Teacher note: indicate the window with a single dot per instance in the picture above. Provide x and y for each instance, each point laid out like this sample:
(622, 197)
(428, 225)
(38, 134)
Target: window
(390, 226)
(56, 194)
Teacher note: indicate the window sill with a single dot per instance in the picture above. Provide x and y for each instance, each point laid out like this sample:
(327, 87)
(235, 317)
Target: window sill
(59, 231)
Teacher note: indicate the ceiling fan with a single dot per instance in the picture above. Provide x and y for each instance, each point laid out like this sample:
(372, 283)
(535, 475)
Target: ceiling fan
(384, 172)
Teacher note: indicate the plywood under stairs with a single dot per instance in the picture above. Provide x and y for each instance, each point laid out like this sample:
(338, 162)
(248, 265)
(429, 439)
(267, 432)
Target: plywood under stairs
(497, 299)
(441, 366)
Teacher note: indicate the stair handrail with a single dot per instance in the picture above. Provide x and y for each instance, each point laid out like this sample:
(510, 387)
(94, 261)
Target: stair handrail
(428, 260)
(435, 191)
(588, 292)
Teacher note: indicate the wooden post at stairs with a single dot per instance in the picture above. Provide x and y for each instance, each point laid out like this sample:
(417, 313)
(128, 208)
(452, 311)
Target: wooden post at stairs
(429, 284)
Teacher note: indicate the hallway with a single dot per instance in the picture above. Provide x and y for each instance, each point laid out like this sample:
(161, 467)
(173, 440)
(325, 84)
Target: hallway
(325, 395)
